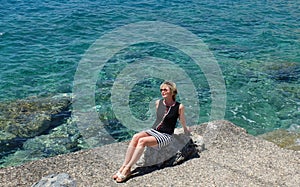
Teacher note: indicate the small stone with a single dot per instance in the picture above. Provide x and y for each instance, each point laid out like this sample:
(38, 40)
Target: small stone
(56, 180)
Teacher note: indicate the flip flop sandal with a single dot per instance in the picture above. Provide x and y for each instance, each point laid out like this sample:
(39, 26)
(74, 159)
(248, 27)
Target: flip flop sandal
(115, 176)
(123, 177)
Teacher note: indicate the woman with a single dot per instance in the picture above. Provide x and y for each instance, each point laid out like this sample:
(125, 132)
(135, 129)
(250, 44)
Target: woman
(167, 113)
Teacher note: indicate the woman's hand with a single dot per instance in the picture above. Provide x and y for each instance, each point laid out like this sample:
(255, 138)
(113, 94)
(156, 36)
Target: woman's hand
(187, 130)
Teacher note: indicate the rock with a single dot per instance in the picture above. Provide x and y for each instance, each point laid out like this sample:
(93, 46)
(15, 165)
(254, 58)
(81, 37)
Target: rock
(182, 148)
(286, 72)
(284, 138)
(30, 117)
(27, 118)
(60, 140)
(8, 141)
(231, 158)
(290, 90)
(56, 180)
(63, 139)
(215, 133)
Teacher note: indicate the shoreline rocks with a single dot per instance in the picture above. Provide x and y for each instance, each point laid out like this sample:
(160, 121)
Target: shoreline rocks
(23, 119)
(231, 158)
(33, 116)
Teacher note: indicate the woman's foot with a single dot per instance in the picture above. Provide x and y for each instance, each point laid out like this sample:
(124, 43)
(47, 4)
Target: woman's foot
(124, 175)
(115, 176)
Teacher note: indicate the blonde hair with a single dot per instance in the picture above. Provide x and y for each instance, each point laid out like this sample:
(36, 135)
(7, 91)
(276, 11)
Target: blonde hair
(172, 87)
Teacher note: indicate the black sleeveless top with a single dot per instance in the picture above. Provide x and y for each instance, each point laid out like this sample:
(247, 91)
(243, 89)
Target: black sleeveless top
(166, 117)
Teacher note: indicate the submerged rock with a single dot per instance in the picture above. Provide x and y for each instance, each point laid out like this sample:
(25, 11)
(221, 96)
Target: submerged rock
(27, 118)
(63, 139)
(8, 141)
(33, 116)
(285, 72)
(60, 140)
(284, 138)
(290, 90)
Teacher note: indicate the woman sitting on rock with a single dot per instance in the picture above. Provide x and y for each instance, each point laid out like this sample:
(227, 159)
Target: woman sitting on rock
(167, 113)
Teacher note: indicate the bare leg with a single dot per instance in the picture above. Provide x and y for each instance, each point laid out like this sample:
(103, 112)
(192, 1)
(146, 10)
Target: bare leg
(143, 141)
(129, 153)
(130, 150)
(136, 155)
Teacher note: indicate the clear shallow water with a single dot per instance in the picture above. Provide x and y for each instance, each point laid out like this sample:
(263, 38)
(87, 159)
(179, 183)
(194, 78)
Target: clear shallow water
(255, 43)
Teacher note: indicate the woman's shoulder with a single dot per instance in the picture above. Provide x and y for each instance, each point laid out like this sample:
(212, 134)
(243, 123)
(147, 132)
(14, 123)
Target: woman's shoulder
(181, 106)
(158, 101)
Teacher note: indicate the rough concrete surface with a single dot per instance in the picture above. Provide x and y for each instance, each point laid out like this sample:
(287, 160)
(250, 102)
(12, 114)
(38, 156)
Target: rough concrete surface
(231, 158)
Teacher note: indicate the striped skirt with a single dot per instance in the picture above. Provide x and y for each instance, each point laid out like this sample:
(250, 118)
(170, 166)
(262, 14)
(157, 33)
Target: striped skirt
(163, 139)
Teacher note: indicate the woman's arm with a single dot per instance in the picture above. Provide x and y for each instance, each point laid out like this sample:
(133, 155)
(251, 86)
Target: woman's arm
(156, 104)
(182, 119)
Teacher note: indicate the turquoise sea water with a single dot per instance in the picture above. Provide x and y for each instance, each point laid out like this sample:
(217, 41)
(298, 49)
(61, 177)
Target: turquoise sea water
(256, 44)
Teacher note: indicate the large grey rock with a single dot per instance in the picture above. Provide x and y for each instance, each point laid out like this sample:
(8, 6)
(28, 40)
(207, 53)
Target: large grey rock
(183, 147)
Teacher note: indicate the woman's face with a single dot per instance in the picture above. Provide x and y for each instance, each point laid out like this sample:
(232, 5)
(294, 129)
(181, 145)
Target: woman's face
(165, 92)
